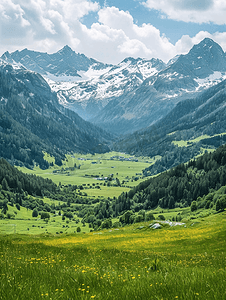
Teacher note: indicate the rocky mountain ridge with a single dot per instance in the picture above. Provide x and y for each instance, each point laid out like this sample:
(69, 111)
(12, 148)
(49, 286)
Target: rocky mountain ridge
(64, 65)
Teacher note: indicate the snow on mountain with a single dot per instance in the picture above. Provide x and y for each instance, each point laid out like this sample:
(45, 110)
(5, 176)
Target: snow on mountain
(210, 80)
(191, 74)
(63, 65)
(130, 95)
(88, 97)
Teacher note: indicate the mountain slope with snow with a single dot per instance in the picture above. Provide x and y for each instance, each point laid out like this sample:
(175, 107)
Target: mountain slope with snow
(64, 65)
(191, 126)
(89, 97)
(190, 75)
(131, 95)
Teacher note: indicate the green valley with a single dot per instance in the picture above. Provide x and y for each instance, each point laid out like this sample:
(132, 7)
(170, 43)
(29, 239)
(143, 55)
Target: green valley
(96, 174)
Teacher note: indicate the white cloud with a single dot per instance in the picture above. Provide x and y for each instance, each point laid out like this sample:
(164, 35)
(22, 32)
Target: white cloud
(116, 36)
(202, 11)
(29, 22)
(49, 25)
(186, 42)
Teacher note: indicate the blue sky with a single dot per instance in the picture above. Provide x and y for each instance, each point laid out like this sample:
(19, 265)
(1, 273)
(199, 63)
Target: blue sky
(110, 30)
(174, 30)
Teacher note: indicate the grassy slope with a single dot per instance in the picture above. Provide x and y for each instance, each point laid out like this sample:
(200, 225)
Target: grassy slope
(24, 223)
(172, 263)
(183, 143)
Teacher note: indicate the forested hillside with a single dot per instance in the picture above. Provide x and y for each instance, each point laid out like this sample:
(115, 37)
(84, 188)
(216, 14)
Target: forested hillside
(202, 117)
(16, 181)
(19, 189)
(180, 186)
(32, 121)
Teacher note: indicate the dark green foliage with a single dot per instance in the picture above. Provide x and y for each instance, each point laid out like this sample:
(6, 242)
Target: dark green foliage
(35, 213)
(19, 187)
(161, 217)
(221, 203)
(118, 182)
(179, 186)
(5, 184)
(68, 215)
(149, 216)
(18, 182)
(106, 224)
(127, 218)
(45, 215)
(193, 206)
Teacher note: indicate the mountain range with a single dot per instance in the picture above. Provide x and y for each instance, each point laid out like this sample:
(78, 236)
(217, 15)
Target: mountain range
(189, 75)
(148, 103)
(129, 96)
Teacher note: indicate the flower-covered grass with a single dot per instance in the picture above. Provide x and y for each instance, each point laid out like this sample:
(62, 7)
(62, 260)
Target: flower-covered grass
(170, 263)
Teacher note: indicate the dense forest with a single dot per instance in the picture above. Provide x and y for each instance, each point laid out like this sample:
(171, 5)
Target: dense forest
(19, 189)
(180, 186)
(16, 181)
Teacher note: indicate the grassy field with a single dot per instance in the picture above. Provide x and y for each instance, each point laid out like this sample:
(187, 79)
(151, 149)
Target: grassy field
(92, 169)
(128, 263)
(24, 223)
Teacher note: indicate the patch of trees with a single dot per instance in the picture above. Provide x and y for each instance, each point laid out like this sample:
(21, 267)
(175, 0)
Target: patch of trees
(19, 189)
(16, 181)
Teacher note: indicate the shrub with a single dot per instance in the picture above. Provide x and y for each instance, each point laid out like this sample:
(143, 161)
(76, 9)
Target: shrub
(149, 216)
(221, 203)
(35, 213)
(193, 206)
(117, 224)
(138, 218)
(45, 215)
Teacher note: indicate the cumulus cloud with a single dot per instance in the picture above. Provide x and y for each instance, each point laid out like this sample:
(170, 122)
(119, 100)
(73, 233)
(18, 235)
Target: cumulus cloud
(48, 25)
(119, 36)
(202, 11)
(37, 22)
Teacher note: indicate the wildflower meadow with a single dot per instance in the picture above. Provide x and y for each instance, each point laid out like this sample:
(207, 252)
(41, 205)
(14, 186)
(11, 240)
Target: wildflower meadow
(183, 262)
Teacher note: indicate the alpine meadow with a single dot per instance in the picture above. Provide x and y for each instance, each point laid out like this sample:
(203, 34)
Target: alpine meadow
(112, 175)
